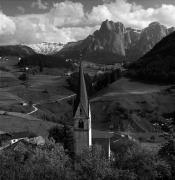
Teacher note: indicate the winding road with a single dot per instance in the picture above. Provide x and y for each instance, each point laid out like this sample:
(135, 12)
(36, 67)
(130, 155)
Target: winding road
(35, 109)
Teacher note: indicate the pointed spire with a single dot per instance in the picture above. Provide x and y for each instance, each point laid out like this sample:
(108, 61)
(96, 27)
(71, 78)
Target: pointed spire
(82, 97)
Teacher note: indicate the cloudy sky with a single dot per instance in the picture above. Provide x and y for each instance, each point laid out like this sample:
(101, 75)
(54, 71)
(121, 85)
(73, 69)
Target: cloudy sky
(35, 21)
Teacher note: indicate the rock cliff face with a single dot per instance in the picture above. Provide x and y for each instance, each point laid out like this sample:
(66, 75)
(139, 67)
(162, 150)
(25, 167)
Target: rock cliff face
(114, 43)
(148, 37)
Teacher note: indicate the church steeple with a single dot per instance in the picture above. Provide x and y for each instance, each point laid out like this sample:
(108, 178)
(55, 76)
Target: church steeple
(82, 117)
(82, 97)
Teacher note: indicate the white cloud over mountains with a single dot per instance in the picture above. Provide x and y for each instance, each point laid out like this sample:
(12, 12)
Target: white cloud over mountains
(68, 21)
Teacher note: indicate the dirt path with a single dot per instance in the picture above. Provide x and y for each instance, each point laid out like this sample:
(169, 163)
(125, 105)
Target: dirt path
(35, 109)
(20, 115)
(58, 100)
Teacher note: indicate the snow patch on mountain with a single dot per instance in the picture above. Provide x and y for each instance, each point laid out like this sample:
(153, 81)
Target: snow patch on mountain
(46, 47)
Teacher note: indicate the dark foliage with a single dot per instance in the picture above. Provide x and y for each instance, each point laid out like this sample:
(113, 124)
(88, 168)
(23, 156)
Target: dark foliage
(102, 80)
(96, 83)
(16, 50)
(73, 82)
(23, 77)
(41, 60)
(167, 152)
(63, 135)
(158, 65)
(47, 163)
(51, 162)
(129, 162)
(144, 164)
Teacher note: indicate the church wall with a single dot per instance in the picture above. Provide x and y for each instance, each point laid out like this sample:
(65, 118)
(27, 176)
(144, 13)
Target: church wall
(81, 139)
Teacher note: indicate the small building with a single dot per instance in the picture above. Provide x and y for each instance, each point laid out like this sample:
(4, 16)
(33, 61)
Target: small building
(10, 140)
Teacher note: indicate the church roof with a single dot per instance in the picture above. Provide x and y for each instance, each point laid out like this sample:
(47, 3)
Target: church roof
(82, 97)
(97, 134)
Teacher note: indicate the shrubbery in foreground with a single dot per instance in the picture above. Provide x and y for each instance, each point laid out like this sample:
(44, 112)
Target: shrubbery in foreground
(50, 162)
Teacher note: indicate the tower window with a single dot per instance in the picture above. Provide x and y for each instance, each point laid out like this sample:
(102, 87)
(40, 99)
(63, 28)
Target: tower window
(81, 124)
(80, 111)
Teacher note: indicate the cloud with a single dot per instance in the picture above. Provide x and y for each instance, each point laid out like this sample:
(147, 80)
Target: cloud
(120, 10)
(40, 5)
(132, 14)
(67, 14)
(68, 21)
(7, 26)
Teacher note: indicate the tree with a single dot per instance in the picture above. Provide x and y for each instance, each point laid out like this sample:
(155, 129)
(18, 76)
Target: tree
(23, 77)
(74, 83)
(40, 65)
(40, 162)
(152, 138)
(167, 152)
(144, 164)
(92, 164)
(63, 135)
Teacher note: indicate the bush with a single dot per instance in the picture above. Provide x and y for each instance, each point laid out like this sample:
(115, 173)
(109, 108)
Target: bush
(23, 77)
(48, 162)
(167, 152)
(143, 163)
(152, 138)
(98, 82)
(63, 135)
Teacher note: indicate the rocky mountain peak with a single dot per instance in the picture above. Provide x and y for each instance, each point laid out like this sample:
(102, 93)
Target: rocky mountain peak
(155, 23)
(171, 29)
(114, 42)
(107, 26)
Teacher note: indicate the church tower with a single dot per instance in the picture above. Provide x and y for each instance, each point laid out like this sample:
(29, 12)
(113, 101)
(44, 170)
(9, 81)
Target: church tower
(82, 117)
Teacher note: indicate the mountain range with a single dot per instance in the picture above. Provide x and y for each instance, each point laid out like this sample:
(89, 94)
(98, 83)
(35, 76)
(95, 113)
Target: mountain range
(113, 43)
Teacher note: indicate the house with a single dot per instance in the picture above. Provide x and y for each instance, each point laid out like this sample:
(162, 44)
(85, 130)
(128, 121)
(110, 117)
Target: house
(8, 140)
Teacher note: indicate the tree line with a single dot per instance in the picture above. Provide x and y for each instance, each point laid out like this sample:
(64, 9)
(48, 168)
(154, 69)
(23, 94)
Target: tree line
(95, 83)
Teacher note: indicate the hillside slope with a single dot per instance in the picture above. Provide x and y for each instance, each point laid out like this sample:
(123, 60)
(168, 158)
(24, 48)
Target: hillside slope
(131, 106)
(158, 65)
(45, 61)
(16, 50)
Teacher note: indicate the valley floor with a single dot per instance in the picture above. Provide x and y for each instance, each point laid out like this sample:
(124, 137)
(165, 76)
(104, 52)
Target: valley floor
(44, 101)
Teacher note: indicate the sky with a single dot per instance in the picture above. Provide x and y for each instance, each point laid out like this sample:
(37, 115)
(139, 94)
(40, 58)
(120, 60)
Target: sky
(36, 21)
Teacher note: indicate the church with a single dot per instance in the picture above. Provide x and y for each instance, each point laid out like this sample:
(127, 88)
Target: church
(84, 134)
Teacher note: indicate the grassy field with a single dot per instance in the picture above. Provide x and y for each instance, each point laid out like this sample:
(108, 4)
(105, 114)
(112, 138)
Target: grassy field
(19, 124)
(42, 88)
(130, 105)
(124, 105)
